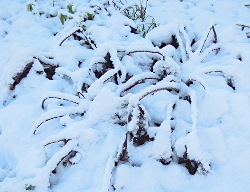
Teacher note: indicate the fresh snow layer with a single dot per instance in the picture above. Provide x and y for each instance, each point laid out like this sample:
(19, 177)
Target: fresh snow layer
(213, 130)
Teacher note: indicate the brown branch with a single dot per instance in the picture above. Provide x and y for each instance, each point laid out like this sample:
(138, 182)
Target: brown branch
(214, 72)
(229, 80)
(160, 89)
(50, 120)
(71, 154)
(64, 140)
(190, 81)
(78, 30)
(137, 82)
(243, 26)
(80, 94)
(102, 63)
(59, 99)
(147, 52)
(215, 37)
(45, 122)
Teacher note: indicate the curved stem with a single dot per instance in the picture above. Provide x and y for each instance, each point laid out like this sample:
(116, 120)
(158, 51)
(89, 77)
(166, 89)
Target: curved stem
(147, 52)
(64, 140)
(59, 99)
(137, 82)
(159, 89)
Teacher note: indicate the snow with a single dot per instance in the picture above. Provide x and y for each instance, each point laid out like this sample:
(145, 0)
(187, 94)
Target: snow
(184, 95)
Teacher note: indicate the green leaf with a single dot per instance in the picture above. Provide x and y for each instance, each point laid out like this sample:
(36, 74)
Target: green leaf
(83, 27)
(90, 16)
(70, 8)
(62, 18)
(29, 7)
(30, 187)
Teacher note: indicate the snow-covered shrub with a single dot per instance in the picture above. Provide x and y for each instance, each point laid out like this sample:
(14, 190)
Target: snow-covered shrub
(132, 101)
(123, 83)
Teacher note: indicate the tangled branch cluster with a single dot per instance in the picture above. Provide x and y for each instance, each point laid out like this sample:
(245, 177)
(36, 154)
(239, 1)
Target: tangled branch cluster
(132, 74)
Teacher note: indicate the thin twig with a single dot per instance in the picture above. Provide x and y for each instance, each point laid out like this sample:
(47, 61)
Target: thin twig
(214, 72)
(45, 122)
(215, 36)
(68, 154)
(243, 26)
(64, 140)
(137, 82)
(77, 30)
(160, 89)
(229, 80)
(80, 94)
(52, 119)
(57, 98)
(190, 81)
(147, 52)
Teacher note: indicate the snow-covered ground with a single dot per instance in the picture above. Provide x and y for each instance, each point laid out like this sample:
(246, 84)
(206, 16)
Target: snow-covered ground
(99, 95)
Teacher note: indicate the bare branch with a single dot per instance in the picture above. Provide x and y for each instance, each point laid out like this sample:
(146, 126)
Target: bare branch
(229, 80)
(80, 95)
(64, 140)
(156, 52)
(136, 83)
(57, 98)
(243, 26)
(77, 30)
(159, 89)
(215, 37)
(45, 122)
(69, 155)
(190, 81)
(214, 72)
(56, 117)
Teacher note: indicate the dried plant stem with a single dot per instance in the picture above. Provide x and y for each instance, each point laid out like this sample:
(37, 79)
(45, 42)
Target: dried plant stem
(137, 82)
(57, 98)
(49, 119)
(190, 81)
(64, 140)
(243, 26)
(159, 89)
(155, 52)
(215, 37)
(77, 30)
(46, 121)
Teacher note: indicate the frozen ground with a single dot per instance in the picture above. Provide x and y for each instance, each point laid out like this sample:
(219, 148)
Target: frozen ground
(89, 101)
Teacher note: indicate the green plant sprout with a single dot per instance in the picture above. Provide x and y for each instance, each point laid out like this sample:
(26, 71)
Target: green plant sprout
(29, 7)
(70, 8)
(139, 12)
(30, 187)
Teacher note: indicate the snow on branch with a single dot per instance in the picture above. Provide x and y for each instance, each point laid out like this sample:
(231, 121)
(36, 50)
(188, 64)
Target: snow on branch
(154, 52)
(54, 114)
(137, 79)
(60, 96)
(191, 79)
(210, 29)
(69, 33)
(95, 87)
(43, 176)
(21, 63)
